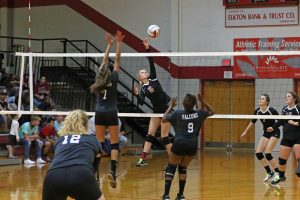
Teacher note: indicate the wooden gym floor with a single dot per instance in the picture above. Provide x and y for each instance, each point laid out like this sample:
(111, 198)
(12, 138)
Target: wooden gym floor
(211, 175)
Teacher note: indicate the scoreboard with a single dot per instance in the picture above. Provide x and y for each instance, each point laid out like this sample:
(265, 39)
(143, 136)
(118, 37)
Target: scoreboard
(253, 3)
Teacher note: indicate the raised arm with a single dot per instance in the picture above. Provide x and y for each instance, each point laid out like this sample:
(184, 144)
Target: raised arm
(119, 37)
(172, 104)
(209, 108)
(150, 59)
(110, 40)
(140, 95)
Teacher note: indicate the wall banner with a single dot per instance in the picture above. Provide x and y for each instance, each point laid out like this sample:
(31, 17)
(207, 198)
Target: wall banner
(264, 16)
(269, 66)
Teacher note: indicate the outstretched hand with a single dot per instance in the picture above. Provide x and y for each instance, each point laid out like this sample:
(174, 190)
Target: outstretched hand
(135, 89)
(119, 36)
(200, 97)
(109, 38)
(146, 43)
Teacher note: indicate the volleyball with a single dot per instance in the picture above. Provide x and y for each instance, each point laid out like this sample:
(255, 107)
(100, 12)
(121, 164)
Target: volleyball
(153, 31)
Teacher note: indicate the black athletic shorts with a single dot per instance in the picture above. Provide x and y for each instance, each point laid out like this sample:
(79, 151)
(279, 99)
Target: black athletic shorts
(272, 134)
(78, 182)
(289, 143)
(108, 118)
(185, 147)
(160, 108)
(12, 140)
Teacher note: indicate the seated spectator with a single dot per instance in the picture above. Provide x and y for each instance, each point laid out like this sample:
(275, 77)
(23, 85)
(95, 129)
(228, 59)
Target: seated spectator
(4, 119)
(106, 148)
(48, 137)
(58, 122)
(13, 136)
(41, 94)
(41, 89)
(28, 134)
(3, 100)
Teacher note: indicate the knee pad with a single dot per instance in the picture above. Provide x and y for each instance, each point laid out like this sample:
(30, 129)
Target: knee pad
(282, 161)
(259, 156)
(181, 169)
(170, 171)
(150, 138)
(165, 140)
(269, 156)
(115, 146)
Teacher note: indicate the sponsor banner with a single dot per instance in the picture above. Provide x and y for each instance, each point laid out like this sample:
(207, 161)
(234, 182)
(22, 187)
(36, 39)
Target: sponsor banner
(265, 16)
(270, 66)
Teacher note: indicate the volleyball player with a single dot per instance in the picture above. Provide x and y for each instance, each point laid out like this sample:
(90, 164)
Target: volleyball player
(152, 89)
(105, 88)
(187, 124)
(269, 139)
(291, 135)
(71, 172)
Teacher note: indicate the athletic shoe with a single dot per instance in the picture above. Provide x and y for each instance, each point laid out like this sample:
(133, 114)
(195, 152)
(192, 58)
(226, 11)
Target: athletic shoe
(112, 179)
(13, 157)
(40, 161)
(268, 176)
(141, 163)
(277, 179)
(166, 197)
(180, 197)
(28, 162)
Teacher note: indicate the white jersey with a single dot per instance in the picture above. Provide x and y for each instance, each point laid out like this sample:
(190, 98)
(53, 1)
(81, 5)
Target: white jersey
(14, 128)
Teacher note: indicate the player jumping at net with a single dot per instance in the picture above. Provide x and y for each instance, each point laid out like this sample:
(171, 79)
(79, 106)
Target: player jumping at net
(269, 139)
(152, 89)
(290, 137)
(71, 172)
(187, 124)
(105, 88)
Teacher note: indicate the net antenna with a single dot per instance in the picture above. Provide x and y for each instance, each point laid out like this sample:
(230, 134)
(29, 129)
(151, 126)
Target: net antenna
(29, 27)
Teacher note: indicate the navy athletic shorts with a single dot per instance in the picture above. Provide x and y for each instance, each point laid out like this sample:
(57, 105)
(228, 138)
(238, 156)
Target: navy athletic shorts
(107, 118)
(185, 147)
(77, 181)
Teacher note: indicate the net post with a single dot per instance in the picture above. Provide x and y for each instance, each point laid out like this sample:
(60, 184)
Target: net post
(21, 82)
(31, 82)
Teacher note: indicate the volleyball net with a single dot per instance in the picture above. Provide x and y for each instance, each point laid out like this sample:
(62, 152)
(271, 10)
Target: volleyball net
(230, 81)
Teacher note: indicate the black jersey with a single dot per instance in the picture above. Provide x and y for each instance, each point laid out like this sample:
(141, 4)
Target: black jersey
(108, 99)
(187, 125)
(290, 132)
(73, 150)
(266, 122)
(153, 90)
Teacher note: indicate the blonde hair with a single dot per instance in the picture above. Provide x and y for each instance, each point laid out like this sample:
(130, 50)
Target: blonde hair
(103, 78)
(76, 123)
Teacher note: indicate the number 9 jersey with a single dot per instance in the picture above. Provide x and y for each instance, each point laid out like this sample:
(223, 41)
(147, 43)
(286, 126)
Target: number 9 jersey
(187, 125)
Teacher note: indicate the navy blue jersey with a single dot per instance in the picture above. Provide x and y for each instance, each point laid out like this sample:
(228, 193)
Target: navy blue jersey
(107, 100)
(153, 90)
(187, 125)
(73, 150)
(266, 122)
(290, 132)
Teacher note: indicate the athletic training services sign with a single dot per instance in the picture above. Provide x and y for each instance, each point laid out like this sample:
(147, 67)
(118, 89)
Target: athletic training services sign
(266, 16)
(269, 66)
